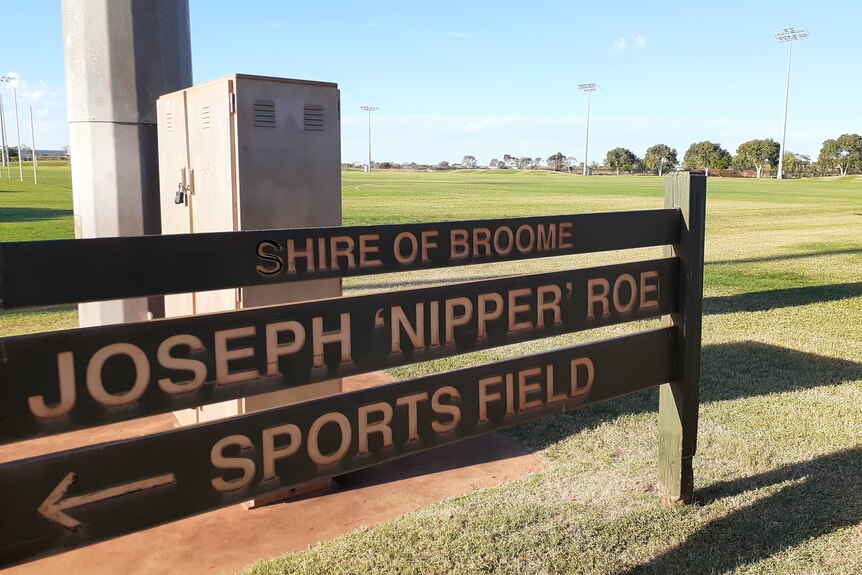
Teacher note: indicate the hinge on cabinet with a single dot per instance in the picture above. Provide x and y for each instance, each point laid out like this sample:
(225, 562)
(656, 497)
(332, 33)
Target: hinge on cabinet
(232, 103)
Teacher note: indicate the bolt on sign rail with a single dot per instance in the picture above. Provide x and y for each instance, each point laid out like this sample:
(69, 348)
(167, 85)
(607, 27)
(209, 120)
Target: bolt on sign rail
(60, 381)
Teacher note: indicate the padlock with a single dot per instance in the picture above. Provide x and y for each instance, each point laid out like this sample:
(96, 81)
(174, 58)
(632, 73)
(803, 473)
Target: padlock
(180, 197)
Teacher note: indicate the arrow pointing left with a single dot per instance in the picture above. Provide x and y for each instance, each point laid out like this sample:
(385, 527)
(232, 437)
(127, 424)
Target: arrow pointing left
(54, 506)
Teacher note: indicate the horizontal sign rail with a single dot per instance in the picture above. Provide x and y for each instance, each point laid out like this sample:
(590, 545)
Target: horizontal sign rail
(59, 381)
(69, 499)
(73, 271)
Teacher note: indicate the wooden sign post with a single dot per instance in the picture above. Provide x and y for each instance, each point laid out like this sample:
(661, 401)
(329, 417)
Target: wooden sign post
(679, 399)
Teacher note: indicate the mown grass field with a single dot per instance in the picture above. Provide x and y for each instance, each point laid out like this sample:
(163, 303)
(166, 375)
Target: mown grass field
(779, 466)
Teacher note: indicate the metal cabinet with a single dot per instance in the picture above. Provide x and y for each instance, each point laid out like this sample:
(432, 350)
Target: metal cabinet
(244, 153)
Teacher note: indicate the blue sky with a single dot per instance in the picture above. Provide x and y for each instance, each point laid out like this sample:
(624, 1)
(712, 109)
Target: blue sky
(494, 78)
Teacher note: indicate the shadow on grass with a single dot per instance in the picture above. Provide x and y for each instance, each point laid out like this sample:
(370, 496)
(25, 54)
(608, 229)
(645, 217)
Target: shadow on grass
(779, 298)
(10, 215)
(728, 371)
(820, 497)
(786, 257)
(746, 302)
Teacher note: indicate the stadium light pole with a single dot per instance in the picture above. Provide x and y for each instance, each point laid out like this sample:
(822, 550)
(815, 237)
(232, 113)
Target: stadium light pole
(4, 152)
(18, 131)
(5, 149)
(589, 89)
(369, 109)
(787, 35)
(4, 79)
(33, 146)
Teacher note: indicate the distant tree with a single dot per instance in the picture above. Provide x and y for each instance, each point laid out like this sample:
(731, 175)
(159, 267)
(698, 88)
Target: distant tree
(706, 155)
(621, 159)
(796, 164)
(536, 163)
(508, 160)
(67, 151)
(524, 163)
(791, 165)
(26, 153)
(851, 145)
(844, 153)
(469, 162)
(830, 157)
(558, 162)
(495, 163)
(757, 154)
(660, 157)
(444, 165)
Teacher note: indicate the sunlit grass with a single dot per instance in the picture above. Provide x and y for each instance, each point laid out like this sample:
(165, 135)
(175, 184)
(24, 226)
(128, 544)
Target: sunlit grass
(779, 464)
(779, 467)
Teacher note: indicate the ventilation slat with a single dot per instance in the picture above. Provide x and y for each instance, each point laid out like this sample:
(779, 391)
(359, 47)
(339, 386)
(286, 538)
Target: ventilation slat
(263, 114)
(313, 119)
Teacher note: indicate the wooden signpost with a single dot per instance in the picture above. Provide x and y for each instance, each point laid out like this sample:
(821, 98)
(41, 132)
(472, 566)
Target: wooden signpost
(55, 382)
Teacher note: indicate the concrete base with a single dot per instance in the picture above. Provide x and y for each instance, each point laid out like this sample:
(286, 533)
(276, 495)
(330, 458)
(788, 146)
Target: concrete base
(305, 490)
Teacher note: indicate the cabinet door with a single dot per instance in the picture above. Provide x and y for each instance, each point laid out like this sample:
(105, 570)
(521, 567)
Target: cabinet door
(173, 177)
(213, 197)
(211, 158)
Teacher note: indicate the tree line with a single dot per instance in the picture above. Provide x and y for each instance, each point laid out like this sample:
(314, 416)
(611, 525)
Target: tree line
(841, 155)
(838, 156)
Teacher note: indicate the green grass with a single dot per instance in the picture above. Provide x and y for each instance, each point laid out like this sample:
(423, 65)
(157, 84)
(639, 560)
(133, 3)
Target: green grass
(30, 212)
(779, 466)
(40, 211)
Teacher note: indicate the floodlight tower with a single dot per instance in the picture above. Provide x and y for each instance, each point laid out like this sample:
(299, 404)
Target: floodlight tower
(369, 109)
(5, 149)
(787, 35)
(589, 89)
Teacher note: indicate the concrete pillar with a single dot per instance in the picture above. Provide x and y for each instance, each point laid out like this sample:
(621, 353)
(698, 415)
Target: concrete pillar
(121, 55)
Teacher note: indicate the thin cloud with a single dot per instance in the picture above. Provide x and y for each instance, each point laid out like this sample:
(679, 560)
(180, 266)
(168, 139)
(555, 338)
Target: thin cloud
(481, 124)
(34, 95)
(459, 34)
(637, 41)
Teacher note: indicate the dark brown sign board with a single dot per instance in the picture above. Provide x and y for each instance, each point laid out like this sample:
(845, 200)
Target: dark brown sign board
(60, 381)
(71, 498)
(75, 271)
(79, 378)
